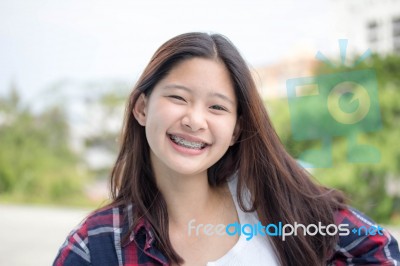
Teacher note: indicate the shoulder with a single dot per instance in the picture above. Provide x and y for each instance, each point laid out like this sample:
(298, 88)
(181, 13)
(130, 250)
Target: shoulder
(362, 241)
(95, 234)
(102, 220)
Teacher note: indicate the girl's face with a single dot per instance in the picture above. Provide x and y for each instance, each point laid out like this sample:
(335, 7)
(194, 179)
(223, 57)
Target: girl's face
(190, 117)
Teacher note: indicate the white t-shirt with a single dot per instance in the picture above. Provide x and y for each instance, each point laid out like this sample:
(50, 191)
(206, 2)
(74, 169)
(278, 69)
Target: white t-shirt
(254, 252)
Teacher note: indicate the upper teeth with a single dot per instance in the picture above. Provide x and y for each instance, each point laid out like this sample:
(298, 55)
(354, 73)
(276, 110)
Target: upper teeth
(188, 144)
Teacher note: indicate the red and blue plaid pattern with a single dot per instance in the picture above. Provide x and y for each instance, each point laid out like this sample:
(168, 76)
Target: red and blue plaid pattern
(363, 249)
(99, 241)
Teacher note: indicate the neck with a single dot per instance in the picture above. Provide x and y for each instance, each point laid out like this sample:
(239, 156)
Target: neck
(187, 197)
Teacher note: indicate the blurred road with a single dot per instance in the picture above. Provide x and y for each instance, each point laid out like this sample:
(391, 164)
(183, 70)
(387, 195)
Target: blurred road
(31, 236)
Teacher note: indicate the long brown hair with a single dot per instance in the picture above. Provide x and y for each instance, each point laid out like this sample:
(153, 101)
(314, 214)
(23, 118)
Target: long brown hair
(281, 190)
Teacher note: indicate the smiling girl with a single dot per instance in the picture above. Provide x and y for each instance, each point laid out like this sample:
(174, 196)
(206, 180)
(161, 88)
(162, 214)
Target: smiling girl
(198, 145)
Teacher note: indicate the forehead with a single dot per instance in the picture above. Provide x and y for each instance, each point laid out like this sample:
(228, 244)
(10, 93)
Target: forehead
(201, 75)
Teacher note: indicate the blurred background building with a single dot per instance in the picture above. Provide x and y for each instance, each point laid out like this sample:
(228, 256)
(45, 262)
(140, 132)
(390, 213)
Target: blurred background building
(367, 24)
(370, 24)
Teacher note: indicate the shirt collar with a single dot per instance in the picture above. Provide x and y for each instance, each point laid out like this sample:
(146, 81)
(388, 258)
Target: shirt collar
(141, 225)
(142, 228)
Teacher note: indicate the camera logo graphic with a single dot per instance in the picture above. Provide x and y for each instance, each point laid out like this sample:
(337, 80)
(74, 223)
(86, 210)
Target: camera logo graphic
(342, 104)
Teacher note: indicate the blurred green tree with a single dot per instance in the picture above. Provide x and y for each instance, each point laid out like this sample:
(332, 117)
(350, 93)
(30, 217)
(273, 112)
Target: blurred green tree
(105, 139)
(36, 162)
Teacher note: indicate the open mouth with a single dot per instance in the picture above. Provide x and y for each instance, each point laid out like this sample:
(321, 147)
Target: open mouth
(188, 144)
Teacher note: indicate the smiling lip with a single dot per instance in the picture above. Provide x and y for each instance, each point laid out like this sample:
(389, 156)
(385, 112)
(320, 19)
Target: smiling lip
(189, 138)
(187, 144)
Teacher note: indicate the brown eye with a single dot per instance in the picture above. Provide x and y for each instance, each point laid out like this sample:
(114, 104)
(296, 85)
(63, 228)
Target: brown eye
(218, 107)
(177, 97)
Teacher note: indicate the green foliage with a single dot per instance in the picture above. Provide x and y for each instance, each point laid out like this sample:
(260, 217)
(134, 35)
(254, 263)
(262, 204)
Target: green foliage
(366, 184)
(36, 163)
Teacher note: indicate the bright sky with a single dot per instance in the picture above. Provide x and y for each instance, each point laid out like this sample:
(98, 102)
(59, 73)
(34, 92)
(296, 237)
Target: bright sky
(45, 41)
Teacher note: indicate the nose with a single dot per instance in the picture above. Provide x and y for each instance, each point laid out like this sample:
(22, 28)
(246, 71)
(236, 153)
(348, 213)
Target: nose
(195, 119)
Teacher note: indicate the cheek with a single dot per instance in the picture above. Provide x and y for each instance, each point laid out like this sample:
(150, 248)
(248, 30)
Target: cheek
(161, 116)
(224, 128)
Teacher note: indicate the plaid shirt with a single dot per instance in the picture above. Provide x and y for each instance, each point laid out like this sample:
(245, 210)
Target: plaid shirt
(98, 241)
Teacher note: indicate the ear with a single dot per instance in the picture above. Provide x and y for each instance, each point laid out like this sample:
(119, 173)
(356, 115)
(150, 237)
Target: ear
(139, 109)
(236, 131)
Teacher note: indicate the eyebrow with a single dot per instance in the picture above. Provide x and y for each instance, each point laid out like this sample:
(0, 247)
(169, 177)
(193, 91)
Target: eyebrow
(213, 94)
